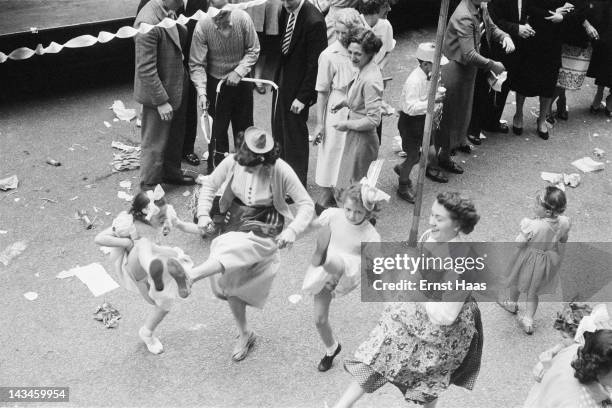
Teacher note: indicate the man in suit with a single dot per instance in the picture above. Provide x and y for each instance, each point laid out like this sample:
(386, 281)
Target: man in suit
(188, 9)
(489, 105)
(303, 37)
(160, 84)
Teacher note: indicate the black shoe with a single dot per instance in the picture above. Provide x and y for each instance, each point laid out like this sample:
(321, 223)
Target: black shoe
(475, 140)
(464, 148)
(406, 195)
(551, 119)
(500, 128)
(596, 109)
(327, 361)
(180, 180)
(192, 159)
(156, 270)
(562, 114)
(517, 130)
(543, 135)
(436, 175)
(451, 166)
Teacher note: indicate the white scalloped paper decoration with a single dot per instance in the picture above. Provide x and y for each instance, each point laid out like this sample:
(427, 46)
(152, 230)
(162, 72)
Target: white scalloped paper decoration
(87, 40)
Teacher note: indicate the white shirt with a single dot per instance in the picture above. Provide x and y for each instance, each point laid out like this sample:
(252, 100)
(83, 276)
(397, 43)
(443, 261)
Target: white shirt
(414, 93)
(384, 31)
(295, 15)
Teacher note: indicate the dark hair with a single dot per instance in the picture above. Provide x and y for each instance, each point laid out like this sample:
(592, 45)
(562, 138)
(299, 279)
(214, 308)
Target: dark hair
(369, 7)
(353, 192)
(369, 41)
(595, 357)
(245, 157)
(139, 203)
(461, 210)
(554, 200)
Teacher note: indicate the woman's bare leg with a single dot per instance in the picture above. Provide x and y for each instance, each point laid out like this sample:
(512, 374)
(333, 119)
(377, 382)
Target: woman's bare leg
(322, 301)
(352, 394)
(208, 268)
(545, 104)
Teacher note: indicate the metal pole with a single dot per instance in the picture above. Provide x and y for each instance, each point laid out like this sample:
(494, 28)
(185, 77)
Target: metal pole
(414, 229)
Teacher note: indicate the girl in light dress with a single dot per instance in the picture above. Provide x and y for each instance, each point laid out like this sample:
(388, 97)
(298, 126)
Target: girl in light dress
(422, 348)
(144, 266)
(534, 269)
(336, 266)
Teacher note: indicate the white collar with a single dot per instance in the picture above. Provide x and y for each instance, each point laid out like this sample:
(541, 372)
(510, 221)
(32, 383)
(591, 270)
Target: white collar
(297, 10)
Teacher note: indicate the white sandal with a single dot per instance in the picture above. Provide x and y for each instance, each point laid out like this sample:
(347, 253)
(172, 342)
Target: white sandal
(526, 323)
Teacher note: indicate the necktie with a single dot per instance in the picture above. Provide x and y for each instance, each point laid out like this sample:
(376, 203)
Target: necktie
(288, 33)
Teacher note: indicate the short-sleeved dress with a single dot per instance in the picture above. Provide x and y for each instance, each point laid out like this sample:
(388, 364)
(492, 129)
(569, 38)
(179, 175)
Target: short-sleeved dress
(165, 298)
(383, 30)
(535, 266)
(334, 74)
(418, 356)
(345, 242)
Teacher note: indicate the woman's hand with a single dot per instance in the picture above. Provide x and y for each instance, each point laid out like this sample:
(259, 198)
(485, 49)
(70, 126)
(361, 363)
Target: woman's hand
(508, 45)
(497, 67)
(555, 16)
(205, 224)
(526, 31)
(590, 30)
(285, 238)
(341, 126)
(338, 106)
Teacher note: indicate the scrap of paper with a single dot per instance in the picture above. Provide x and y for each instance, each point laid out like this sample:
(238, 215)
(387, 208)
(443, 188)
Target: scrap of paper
(96, 278)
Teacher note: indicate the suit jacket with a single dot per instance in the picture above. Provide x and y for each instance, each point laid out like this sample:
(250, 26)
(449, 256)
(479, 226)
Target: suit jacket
(297, 71)
(462, 38)
(192, 7)
(159, 75)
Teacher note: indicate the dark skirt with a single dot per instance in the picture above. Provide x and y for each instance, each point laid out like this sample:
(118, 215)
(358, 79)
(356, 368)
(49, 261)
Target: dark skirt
(459, 82)
(601, 63)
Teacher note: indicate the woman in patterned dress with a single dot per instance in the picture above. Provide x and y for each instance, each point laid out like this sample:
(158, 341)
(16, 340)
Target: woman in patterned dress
(333, 78)
(421, 348)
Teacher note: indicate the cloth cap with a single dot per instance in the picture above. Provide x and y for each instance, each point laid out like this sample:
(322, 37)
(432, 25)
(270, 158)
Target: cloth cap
(258, 140)
(426, 52)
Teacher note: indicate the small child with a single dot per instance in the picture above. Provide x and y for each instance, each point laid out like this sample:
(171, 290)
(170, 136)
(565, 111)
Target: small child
(139, 260)
(336, 265)
(537, 262)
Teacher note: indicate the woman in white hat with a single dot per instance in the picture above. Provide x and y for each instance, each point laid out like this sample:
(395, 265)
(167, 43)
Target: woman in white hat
(254, 184)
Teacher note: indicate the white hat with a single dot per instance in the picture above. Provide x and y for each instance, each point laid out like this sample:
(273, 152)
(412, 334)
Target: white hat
(426, 52)
(258, 140)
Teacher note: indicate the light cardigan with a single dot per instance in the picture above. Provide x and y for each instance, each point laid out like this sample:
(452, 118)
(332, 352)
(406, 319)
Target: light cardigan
(284, 182)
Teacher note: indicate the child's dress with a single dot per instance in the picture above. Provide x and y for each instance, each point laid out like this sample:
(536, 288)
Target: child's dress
(124, 227)
(534, 269)
(345, 242)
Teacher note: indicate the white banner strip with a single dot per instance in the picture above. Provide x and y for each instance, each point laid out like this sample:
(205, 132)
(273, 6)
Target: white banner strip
(124, 32)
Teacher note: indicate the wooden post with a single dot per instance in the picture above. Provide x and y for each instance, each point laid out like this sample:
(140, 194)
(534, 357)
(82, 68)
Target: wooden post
(416, 217)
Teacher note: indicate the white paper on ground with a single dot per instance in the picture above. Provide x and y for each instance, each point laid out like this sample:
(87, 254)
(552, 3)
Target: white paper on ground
(295, 298)
(125, 184)
(30, 295)
(96, 278)
(587, 165)
(66, 274)
(124, 196)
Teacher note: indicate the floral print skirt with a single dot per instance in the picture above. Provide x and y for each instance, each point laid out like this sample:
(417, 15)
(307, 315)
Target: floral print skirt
(417, 356)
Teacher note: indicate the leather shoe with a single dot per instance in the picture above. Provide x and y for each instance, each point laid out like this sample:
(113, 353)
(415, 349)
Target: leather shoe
(501, 128)
(517, 130)
(436, 175)
(451, 166)
(327, 361)
(464, 148)
(405, 194)
(180, 180)
(543, 135)
(192, 159)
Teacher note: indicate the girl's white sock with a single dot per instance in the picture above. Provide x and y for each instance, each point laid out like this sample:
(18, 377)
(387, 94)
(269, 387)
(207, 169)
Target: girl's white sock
(331, 350)
(153, 344)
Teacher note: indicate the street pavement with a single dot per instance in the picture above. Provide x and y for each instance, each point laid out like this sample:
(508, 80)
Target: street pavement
(54, 341)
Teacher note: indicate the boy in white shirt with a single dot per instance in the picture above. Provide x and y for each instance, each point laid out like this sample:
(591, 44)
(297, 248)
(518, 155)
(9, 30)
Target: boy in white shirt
(412, 120)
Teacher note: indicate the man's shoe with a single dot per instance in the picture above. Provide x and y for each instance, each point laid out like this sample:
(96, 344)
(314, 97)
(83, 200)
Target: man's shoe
(192, 159)
(502, 127)
(436, 175)
(180, 180)
(327, 361)
(451, 166)
(406, 195)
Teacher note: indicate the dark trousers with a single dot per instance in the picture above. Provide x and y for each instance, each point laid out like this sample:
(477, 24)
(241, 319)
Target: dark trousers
(162, 144)
(235, 105)
(191, 120)
(411, 130)
(291, 132)
(488, 105)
